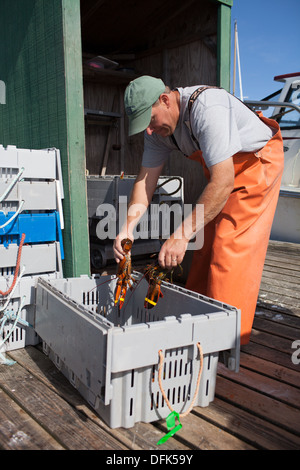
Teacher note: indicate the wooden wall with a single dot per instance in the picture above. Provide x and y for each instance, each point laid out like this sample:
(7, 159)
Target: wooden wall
(185, 61)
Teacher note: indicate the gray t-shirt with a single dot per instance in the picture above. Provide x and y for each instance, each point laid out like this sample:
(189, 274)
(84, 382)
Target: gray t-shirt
(220, 122)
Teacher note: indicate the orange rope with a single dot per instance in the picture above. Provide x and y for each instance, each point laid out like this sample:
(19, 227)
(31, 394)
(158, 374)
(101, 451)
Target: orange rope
(197, 385)
(17, 267)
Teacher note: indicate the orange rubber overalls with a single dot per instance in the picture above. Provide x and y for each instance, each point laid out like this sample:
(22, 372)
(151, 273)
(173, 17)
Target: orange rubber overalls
(229, 266)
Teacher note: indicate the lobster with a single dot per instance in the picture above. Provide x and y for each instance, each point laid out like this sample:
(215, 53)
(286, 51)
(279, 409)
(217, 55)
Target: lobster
(124, 274)
(154, 274)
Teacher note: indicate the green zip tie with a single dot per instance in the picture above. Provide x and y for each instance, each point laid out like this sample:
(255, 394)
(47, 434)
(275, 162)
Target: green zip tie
(172, 427)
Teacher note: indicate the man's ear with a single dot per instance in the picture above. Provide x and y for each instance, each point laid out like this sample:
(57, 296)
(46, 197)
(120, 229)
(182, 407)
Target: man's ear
(165, 99)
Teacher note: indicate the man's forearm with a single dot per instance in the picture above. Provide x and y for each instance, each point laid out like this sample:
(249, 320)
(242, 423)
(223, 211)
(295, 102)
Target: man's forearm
(137, 206)
(141, 195)
(213, 199)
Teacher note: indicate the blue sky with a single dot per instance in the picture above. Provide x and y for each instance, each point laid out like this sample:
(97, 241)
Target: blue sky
(269, 44)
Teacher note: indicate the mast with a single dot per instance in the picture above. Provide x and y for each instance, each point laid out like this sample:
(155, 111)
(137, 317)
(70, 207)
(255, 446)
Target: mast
(237, 59)
(234, 58)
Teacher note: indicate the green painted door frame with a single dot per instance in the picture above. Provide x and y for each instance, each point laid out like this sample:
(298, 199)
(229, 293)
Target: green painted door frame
(224, 43)
(42, 106)
(78, 261)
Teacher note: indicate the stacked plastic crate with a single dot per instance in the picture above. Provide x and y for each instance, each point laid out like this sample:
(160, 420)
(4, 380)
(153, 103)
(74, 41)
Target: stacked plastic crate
(31, 223)
(114, 191)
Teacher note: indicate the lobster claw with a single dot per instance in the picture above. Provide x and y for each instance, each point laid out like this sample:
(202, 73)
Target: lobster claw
(120, 294)
(123, 274)
(118, 291)
(153, 295)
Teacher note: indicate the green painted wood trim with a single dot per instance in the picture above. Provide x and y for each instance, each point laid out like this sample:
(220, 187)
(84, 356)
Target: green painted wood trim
(40, 66)
(225, 2)
(224, 43)
(77, 247)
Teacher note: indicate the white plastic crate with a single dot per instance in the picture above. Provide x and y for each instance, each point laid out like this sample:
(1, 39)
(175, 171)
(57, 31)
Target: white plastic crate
(39, 164)
(17, 310)
(37, 196)
(37, 259)
(30, 180)
(30, 164)
(111, 356)
(31, 193)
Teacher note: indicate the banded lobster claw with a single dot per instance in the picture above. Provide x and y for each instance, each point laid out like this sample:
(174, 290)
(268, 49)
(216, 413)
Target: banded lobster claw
(124, 274)
(155, 274)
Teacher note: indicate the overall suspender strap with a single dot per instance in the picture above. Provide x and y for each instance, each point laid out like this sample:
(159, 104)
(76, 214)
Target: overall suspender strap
(175, 143)
(197, 92)
(192, 99)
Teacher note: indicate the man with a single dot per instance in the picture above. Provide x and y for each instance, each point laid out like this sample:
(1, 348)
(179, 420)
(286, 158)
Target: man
(242, 156)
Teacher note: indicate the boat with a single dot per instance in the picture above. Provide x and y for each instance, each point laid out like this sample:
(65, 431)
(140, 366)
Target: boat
(286, 111)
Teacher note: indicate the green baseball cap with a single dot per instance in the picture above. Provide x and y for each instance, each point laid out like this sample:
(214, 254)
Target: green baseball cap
(139, 97)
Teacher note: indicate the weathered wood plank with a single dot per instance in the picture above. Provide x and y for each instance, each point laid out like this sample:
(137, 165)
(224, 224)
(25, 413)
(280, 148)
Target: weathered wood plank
(277, 308)
(286, 282)
(289, 290)
(273, 342)
(290, 295)
(268, 354)
(283, 267)
(278, 316)
(144, 436)
(263, 384)
(278, 301)
(285, 247)
(18, 431)
(271, 410)
(140, 437)
(277, 329)
(204, 435)
(247, 426)
(280, 268)
(69, 427)
(283, 255)
(283, 259)
(278, 278)
(270, 369)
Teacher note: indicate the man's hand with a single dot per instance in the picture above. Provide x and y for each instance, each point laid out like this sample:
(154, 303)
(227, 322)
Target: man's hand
(118, 250)
(141, 197)
(172, 252)
(214, 198)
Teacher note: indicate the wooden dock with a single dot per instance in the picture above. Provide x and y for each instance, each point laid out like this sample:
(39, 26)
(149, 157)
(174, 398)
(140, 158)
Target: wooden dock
(258, 408)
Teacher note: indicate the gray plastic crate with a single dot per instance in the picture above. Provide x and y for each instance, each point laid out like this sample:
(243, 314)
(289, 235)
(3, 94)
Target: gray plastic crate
(111, 356)
(108, 190)
(116, 191)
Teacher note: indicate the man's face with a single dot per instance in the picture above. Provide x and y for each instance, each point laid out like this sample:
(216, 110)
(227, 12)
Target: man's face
(163, 121)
